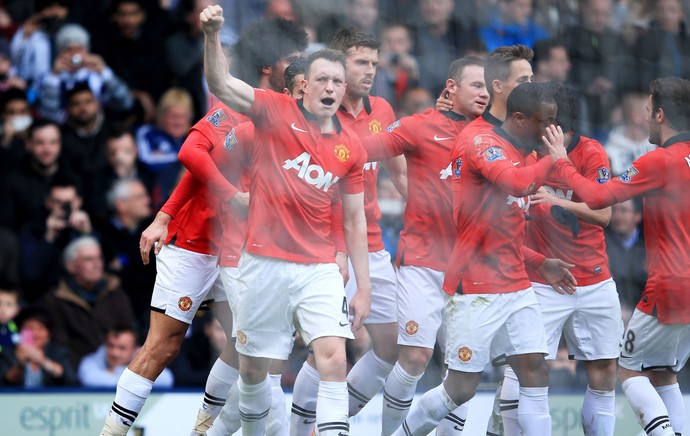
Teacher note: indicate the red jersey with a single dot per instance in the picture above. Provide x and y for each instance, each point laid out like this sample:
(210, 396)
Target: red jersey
(376, 115)
(195, 226)
(294, 172)
(426, 140)
(588, 251)
(495, 184)
(662, 176)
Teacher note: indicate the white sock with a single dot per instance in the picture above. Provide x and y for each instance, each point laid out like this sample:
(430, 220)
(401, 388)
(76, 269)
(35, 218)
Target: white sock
(255, 402)
(397, 398)
(648, 406)
(277, 424)
(218, 383)
(533, 411)
(304, 395)
(228, 421)
(599, 412)
(510, 397)
(427, 413)
(454, 422)
(365, 379)
(130, 396)
(331, 409)
(673, 400)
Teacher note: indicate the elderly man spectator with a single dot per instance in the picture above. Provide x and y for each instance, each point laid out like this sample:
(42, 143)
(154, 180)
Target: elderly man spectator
(87, 302)
(75, 64)
(104, 367)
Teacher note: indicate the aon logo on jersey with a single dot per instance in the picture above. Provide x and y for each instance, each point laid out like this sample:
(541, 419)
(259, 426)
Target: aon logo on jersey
(371, 166)
(446, 172)
(521, 202)
(312, 174)
(567, 195)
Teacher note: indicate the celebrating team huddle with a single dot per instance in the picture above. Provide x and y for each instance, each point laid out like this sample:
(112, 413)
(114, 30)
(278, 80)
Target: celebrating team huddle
(275, 225)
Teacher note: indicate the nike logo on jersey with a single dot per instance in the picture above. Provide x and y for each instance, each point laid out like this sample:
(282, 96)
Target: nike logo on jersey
(293, 127)
(441, 138)
(312, 174)
(516, 163)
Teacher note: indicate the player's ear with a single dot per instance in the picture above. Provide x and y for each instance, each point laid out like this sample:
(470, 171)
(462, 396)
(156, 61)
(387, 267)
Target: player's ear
(305, 86)
(286, 91)
(497, 86)
(267, 71)
(451, 85)
(660, 115)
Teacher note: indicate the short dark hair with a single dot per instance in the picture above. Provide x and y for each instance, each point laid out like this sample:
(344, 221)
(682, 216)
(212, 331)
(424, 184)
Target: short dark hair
(40, 123)
(64, 179)
(672, 94)
(527, 98)
(566, 100)
(542, 49)
(327, 54)
(78, 88)
(8, 287)
(345, 39)
(12, 94)
(117, 131)
(292, 70)
(457, 67)
(263, 44)
(35, 312)
(120, 328)
(498, 64)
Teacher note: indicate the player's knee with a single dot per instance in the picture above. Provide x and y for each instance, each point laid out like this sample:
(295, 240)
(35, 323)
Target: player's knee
(533, 372)
(332, 364)
(252, 374)
(414, 359)
(387, 352)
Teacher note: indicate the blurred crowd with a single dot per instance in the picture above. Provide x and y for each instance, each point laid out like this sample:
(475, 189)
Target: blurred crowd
(96, 99)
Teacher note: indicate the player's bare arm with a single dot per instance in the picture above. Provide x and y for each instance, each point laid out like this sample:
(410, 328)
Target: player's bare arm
(341, 261)
(235, 93)
(154, 236)
(556, 274)
(397, 170)
(600, 217)
(355, 231)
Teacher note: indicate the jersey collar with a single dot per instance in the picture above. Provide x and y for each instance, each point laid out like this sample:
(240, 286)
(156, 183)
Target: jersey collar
(453, 116)
(310, 116)
(365, 101)
(500, 131)
(489, 118)
(680, 137)
(573, 143)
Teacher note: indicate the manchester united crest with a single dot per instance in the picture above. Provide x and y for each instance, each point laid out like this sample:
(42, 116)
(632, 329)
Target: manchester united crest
(375, 126)
(411, 328)
(241, 337)
(185, 303)
(342, 153)
(465, 354)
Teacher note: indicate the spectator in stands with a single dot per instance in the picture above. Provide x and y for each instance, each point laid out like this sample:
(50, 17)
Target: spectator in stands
(512, 24)
(185, 55)
(9, 259)
(27, 186)
(9, 308)
(551, 61)
(130, 213)
(43, 239)
(87, 301)
(84, 131)
(664, 50)
(438, 42)
(626, 253)
(414, 101)
(131, 47)
(104, 367)
(75, 64)
(15, 119)
(630, 140)
(595, 52)
(8, 74)
(398, 69)
(37, 361)
(359, 14)
(159, 144)
(122, 164)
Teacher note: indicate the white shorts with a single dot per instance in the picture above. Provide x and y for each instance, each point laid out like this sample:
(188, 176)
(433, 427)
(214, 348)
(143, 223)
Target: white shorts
(420, 305)
(275, 295)
(230, 277)
(649, 346)
(480, 324)
(383, 288)
(184, 280)
(590, 319)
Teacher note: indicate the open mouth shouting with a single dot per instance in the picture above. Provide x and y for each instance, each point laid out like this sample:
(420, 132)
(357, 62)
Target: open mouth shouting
(328, 101)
